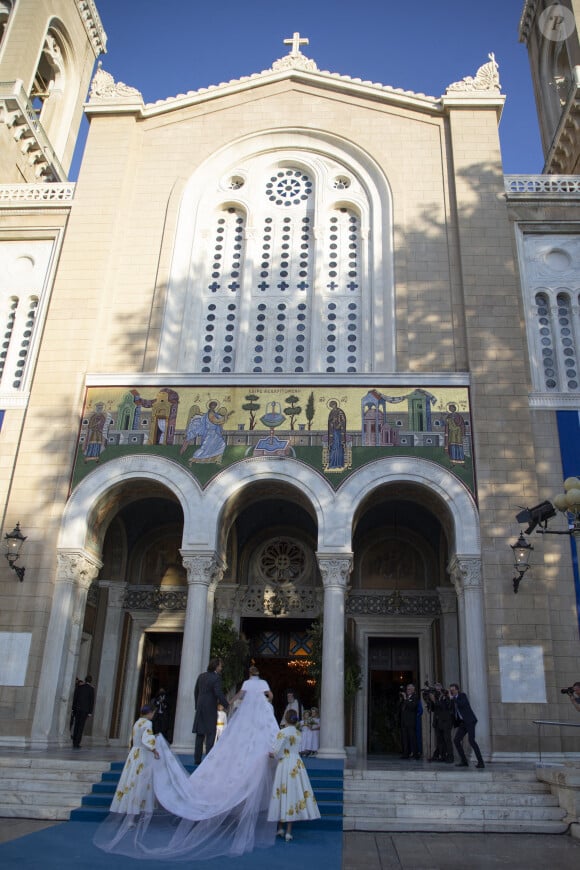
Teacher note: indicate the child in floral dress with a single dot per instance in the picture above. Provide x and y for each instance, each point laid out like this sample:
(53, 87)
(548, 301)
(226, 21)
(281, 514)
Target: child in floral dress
(292, 796)
(134, 794)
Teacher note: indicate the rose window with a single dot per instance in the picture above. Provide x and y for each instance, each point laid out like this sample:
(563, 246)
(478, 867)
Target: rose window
(282, 561)
(289, 187)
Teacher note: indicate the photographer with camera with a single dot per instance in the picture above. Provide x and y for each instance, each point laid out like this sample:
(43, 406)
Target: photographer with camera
(465, 722)
(443, 717)
(573, 693)
(408, 711)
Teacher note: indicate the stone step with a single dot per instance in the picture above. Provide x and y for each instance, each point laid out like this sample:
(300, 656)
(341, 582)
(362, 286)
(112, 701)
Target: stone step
(454, 800)
(25, 764)
(439, 798)
(95, 814)
(445, 813)
(497, 826)
(447, 774)
(453, 788)
(37, 811)
(79, 784)
(36, 787)
(442, 770)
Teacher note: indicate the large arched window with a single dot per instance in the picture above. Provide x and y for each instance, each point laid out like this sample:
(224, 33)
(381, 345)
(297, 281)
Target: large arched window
(25, 270)
(551, 286)
(275, 261)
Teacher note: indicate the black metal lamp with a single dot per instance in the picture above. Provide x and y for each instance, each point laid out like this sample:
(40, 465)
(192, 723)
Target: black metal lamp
(13, 544)
(522, 551)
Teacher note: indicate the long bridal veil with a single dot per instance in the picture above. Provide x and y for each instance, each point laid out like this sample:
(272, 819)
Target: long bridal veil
(221, 809)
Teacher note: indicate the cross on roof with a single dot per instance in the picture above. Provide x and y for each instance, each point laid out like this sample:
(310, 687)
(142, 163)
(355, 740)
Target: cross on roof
(296, 42)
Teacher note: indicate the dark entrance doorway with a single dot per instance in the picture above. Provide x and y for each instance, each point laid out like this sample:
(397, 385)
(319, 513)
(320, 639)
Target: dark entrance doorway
(393, 662)
(280, 649)
(161, 658)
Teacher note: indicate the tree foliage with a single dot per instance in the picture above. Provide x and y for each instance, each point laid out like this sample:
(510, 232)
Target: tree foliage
(310, 410)
(252, 405)
(232, 649)
(294, 410)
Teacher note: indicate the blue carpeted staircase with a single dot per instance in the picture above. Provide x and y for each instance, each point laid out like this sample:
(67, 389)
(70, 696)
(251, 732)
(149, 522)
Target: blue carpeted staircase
(326, 776)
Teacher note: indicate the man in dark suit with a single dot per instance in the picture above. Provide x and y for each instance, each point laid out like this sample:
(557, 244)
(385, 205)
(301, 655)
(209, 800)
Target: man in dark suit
(82, 707)
(465, 721)
(408, 710)
(207, 694)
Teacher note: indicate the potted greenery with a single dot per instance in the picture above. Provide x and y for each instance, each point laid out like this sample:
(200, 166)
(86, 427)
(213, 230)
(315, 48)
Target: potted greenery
(232, 649)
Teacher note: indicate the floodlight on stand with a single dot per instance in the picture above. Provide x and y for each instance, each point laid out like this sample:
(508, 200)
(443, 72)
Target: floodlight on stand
(13, 542)
(522, 550)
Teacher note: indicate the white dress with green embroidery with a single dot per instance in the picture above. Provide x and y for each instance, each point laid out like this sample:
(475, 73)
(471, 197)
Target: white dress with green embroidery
(135, 793)
(292, 797)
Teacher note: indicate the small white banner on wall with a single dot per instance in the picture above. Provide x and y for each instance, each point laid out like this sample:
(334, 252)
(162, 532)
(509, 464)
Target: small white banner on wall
(522, 675)
(14, 652)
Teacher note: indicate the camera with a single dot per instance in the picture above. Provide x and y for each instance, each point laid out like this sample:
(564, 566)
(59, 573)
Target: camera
(568, 691)
(432, 694)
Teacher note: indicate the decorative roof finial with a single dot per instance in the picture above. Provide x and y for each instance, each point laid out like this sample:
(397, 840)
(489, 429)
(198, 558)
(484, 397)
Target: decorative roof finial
(295, 59)
(486, 79)
(296, 42)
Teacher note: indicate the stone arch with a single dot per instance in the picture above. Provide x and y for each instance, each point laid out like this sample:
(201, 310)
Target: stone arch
(313, 489)
(74, 533)
(460, 516)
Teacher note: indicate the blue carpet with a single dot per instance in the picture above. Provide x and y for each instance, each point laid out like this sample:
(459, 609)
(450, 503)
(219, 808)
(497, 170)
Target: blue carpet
(69, 845)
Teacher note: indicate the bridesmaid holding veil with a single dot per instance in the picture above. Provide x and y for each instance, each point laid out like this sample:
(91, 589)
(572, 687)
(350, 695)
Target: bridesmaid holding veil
(222, 808)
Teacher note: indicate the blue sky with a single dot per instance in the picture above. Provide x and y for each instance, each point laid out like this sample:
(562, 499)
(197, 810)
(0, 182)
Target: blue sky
(170, 47)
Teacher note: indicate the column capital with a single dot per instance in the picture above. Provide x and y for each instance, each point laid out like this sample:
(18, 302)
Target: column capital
(77, 567)
(465, 572)
(335, 569)
(202, 568)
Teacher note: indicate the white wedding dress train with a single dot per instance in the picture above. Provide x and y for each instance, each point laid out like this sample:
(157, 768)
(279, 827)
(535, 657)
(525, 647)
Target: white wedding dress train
(221, 809)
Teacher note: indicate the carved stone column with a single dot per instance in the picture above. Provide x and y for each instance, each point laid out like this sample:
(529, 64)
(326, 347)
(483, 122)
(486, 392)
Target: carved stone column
(139, 622)
(335, 571)
(216, 577)
(75, 573)
(108, 666)
(449, 635)
(466, 576)
(201, 569)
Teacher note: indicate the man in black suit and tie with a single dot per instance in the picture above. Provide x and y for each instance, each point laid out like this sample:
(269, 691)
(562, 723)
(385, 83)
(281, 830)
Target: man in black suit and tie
(207, 694)
(465, 721)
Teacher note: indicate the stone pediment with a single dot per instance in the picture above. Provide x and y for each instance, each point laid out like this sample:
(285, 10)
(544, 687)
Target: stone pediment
(295, 67)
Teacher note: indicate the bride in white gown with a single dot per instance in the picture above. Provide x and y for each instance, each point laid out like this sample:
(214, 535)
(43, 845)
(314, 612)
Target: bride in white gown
(221, 809)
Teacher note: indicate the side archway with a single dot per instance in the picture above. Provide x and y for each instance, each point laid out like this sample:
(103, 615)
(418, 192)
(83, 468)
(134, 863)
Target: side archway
(75, 532)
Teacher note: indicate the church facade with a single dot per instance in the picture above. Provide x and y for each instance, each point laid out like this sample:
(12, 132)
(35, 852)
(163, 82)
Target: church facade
(277, 357)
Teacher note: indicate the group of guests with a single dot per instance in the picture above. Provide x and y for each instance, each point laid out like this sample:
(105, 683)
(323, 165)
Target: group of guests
(308, 724)
(251, 787)
(450, 710)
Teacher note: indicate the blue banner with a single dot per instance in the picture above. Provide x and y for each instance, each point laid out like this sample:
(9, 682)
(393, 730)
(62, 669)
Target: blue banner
(569, 432)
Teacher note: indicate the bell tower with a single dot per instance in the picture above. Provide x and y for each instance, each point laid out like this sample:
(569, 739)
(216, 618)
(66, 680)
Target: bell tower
(47, 54)
(550, 33)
